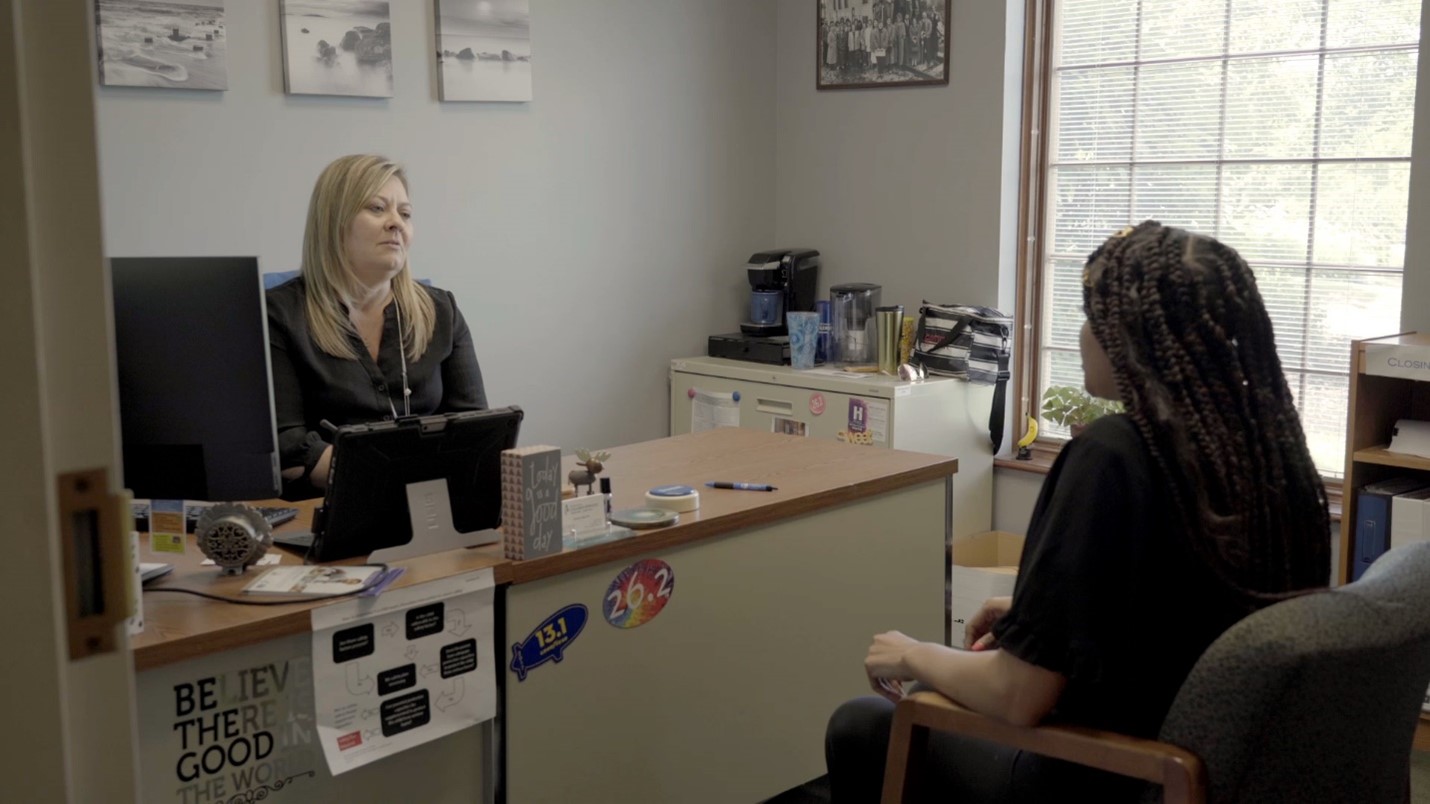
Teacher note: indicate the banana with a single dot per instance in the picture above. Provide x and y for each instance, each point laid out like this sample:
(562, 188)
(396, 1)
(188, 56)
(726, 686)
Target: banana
(1031, 435)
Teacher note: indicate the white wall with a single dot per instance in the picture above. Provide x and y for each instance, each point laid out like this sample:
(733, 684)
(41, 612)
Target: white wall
(1014, 494)
(913, 188)
(590, 236)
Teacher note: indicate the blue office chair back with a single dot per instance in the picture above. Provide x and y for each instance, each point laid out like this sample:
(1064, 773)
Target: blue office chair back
(277, 278)
(1315, 698)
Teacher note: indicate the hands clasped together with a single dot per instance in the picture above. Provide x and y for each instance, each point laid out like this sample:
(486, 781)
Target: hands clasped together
(887, 664)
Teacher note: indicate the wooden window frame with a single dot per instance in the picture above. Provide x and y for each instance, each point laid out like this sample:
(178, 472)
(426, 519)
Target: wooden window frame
(1032, 218)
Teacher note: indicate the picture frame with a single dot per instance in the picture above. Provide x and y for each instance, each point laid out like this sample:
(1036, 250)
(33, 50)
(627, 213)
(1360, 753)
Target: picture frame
(864, 44)
(336, 47)
(150, 43)
(483, 50)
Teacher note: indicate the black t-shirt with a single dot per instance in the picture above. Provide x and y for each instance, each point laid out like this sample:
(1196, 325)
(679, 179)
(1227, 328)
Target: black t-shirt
(1108, 594)
(310, 385)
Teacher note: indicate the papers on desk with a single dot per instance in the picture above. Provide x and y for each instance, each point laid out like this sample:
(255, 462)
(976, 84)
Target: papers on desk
(396, 671)
(311, 580)
(148, 571)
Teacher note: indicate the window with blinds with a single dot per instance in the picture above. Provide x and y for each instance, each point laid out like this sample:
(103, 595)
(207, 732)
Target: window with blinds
(1281, 127)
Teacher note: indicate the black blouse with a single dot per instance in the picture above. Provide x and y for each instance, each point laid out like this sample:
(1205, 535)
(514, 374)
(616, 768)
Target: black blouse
(1108, 595)
(310, 385)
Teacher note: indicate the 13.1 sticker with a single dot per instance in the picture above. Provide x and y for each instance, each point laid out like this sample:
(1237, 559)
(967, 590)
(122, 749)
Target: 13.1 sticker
(639, 593)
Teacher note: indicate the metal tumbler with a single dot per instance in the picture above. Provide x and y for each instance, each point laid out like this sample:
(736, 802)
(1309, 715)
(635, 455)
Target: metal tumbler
(889, 321)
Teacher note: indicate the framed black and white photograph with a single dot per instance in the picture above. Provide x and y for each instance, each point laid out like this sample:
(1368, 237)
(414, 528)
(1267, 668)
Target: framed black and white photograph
(483, 50)
(143, 43)
(337, 47)
(881, 43)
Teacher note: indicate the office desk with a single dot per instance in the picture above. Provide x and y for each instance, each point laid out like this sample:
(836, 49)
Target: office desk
(188, 638)
(722, 696)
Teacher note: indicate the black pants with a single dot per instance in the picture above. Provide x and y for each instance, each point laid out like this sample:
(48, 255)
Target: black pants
(957, 768)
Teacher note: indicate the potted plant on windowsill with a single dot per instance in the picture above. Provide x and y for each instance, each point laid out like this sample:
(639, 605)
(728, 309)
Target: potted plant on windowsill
(1074, 408)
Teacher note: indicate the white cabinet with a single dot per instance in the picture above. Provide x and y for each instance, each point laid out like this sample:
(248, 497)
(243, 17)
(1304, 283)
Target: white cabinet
(942, 416)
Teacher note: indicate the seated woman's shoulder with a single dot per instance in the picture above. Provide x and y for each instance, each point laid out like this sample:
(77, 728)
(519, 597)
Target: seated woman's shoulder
(444, 300)
(1112, 425)
(286, 298)
(1115, 433)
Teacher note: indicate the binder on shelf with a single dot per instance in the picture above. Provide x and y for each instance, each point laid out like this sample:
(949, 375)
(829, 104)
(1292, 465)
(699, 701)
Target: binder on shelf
(1374, 518)
(1408, 515)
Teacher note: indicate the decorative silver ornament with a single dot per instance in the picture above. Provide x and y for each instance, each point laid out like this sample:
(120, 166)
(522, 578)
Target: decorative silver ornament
(234, 535)
(912, 372)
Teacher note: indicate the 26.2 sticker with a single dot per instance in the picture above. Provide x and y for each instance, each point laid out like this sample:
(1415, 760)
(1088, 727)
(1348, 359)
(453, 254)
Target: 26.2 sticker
(638, 593)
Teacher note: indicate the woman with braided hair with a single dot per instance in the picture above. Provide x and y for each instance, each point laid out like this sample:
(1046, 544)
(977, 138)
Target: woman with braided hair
(1156, 530)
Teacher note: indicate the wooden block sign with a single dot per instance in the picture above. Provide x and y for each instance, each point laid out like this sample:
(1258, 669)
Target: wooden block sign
(531, 502)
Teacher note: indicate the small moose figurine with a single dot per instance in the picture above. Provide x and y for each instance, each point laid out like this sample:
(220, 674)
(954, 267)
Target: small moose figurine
(587, 467)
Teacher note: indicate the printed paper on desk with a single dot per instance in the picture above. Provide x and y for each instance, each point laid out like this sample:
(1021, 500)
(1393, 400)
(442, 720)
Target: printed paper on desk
(709, 410)
(166, 526)
(311, 580)
(402, 669)
(584, 516)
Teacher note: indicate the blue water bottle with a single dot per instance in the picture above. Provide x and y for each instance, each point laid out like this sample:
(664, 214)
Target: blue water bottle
(821, 347)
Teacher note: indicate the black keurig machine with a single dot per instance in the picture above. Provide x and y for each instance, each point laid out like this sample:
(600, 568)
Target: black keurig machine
(781, 280)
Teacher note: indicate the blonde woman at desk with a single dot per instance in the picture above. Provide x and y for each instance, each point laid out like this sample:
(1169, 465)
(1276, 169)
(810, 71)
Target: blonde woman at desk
(1155, 531)
(354, 338)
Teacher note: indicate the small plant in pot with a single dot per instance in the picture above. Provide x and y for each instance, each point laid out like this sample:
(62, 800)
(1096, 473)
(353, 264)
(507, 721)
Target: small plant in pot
(1074, 408)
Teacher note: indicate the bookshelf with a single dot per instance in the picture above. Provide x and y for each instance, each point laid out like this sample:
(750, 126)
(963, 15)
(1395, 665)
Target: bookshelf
(1377, 400)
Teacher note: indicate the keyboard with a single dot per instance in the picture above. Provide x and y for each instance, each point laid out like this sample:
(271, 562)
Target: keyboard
(276, 515)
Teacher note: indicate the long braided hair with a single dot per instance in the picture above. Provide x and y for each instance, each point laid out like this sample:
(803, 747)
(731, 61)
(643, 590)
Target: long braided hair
(1193, 354)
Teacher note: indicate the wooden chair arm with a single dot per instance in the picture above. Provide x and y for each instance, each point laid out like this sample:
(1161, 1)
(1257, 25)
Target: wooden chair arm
(1179, 771)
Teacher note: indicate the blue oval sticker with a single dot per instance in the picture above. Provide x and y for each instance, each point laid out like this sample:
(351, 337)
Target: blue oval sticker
(548, 641)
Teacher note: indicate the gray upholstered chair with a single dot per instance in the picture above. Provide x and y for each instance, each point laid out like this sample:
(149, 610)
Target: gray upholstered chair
(1314, 699)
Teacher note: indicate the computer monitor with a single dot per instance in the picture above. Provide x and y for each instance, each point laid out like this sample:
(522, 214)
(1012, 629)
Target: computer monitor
(195, 386)
(416, 485)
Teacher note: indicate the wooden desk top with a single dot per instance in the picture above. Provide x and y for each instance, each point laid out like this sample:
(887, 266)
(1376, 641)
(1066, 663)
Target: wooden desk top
(810, 475)
(178, 626)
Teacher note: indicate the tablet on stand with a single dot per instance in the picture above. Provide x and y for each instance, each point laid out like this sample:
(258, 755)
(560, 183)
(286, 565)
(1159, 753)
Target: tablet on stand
(414, 486)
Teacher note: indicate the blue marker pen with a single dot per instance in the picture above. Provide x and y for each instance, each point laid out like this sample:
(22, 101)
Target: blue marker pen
(722, 484)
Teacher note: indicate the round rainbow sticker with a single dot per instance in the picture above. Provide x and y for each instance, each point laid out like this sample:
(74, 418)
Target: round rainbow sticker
(638, 593)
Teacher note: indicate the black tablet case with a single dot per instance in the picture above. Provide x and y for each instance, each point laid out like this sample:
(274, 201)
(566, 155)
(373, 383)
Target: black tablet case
(365, 508)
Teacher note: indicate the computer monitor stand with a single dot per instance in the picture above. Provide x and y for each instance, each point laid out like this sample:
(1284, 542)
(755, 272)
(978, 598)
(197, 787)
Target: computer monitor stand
(430, 507)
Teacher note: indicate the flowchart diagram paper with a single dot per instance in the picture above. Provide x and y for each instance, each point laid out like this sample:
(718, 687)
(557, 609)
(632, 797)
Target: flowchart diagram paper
(401, 669)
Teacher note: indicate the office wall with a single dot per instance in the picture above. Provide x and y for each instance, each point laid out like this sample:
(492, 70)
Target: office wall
(1014, 494)
(914, 188)
(590, 236)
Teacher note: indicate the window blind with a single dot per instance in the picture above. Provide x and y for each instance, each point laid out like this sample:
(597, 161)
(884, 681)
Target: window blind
(1281, 127)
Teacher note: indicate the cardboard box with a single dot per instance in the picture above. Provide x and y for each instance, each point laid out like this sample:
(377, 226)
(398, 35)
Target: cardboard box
(984, 565)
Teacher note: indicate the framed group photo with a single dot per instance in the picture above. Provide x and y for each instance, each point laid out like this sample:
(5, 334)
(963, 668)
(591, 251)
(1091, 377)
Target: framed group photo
(881, 43)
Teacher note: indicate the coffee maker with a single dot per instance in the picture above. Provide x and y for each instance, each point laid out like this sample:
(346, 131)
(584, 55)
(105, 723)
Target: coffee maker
(781, 281)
